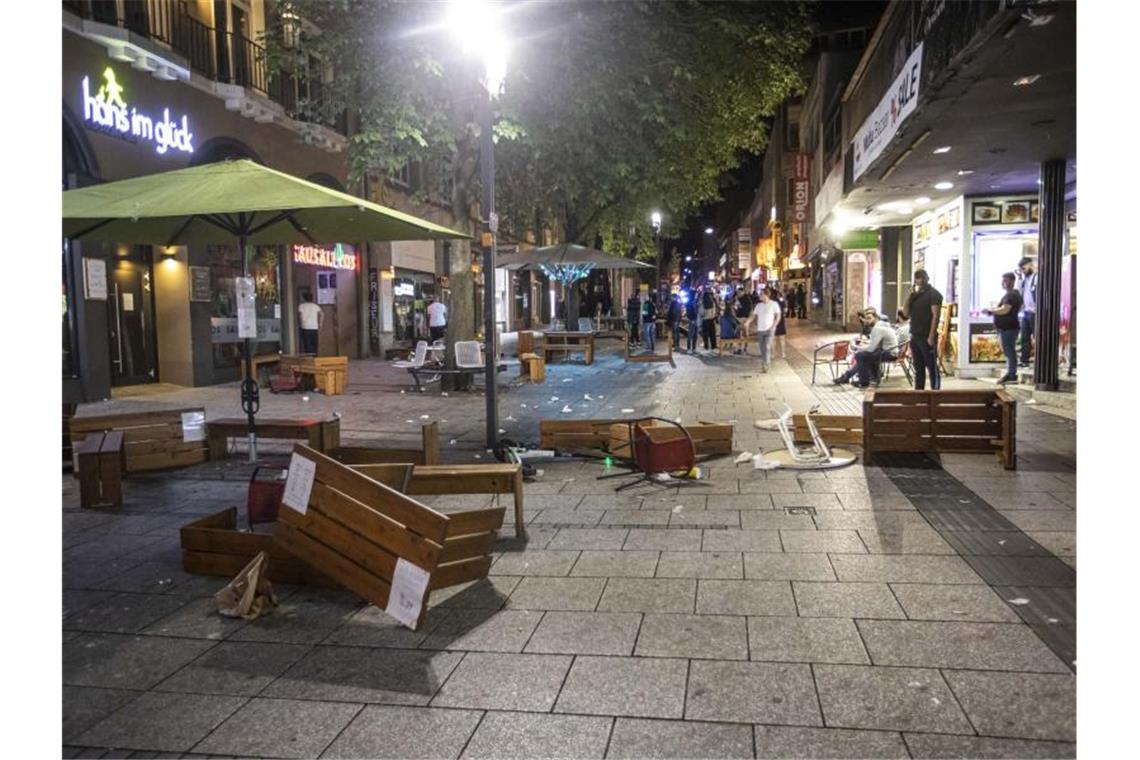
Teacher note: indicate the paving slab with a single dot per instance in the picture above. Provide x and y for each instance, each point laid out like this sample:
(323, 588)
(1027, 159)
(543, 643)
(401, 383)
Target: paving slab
(817, 541)
(645, 687)
(384, 731)
(487, 681)
(373, 627)
(891, 568)
(780, 742)
(858, 502)
(616, 564)
(775, 520)
(483, 630)
(279, 728)
(748, 597)
(636, 738)
(820, 500)
(717, 637)
(846, 600)
(612, 633)
(649, 595)
(906, 542)
(705, 518)
(924, 601)
(235, 668)
(699, 564)
(125, 612)
(634, 517)
(117, 661)
(297, 621)
(978, 646)
(752, 692)
(356, 674)
(894, 521)
(84, 706)
(589, 538)
(541, 562)
(791, 639)
(730, 540)
(161, 722)
(486, 593)
(557, 594)
(199, 619)
(788, 567)
(971, 747)
(893, 699)
(641, 539)
(533, 735)
(1018, 705)
(585, 517)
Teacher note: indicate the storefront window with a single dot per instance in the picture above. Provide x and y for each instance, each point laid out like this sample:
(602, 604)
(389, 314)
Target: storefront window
(995, 254)
(70, 343)
(225, 267)
(409, 301)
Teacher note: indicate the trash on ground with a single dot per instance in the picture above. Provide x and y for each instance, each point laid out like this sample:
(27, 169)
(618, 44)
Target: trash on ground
(627, 411)
(587, 397)
(772, 424)
(678, 508)
(451, 442)
(566, 409)
(249, 595)
(744, 457)
(553, 398)
(695, 473)
(1019, 601)
(568, 379)
(538, 473)
(402, 392)
(478, 456)
(760, 463)
(502, 431)
(410, 422)
(536, 454)
(442, 393)
(304, 398)
(662, 477)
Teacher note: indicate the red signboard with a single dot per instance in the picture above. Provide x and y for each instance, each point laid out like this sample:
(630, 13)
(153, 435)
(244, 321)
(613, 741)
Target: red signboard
(800, 191)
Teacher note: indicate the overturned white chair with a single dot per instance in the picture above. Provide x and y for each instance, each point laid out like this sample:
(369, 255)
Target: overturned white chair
(819, 456)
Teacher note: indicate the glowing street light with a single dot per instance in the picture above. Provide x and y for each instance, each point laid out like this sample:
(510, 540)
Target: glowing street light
(708, 230)
(476, 26)
(655, 219)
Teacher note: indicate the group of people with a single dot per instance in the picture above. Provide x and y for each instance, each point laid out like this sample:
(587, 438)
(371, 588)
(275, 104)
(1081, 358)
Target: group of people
(706, 313)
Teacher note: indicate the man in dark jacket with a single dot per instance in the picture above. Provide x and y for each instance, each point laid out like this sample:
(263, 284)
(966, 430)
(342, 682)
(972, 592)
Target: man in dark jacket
(691, 310)
(649, 322)
(633, 317)
(673, 320)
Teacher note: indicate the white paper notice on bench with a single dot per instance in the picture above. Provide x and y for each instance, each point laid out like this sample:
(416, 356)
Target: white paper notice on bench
(193, 426)
(299, 486)
(409, 587)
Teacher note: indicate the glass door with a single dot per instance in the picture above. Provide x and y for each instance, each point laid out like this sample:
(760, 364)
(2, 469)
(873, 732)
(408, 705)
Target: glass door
(131, 331)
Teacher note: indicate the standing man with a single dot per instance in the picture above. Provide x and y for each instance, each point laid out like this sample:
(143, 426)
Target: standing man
(1029, 306)
(767, 315)
(649, 322)
(437, 319)
(633, 316)
(923, 307)
(692, 312)
(673, 320)
(1005, 320)
(801, 301)
(311, 318)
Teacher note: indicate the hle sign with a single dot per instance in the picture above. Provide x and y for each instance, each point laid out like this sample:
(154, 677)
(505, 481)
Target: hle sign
(884, 122)
(801, 189)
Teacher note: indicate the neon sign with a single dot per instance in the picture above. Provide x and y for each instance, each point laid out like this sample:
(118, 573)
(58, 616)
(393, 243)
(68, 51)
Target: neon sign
(107, 111)
(335, 257)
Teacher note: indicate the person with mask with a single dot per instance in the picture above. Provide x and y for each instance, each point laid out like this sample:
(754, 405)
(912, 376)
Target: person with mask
(923, 308)
(1028, 292)
(1005, 320)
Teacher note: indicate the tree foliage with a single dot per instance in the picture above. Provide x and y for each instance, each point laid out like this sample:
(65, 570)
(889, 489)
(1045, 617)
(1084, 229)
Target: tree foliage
(611, 108)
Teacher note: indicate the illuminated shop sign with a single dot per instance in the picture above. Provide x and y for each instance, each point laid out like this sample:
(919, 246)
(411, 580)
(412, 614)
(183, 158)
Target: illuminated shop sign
(108, 112)
(335, 257)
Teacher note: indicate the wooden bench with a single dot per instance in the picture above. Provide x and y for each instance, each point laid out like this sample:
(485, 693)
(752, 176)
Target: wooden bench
(834, 429)
(949, 421)
(666, 357)
(611, 435)
(533, 367)
(330, 373)
(734, 343)
(359, 532)
(151, 440)
(427, 454)
(99, 457)
(320, 434)
(427, 480)
(567, 342)
(257, 362)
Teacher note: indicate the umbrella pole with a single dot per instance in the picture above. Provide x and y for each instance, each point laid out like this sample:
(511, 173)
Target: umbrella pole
(250, 400)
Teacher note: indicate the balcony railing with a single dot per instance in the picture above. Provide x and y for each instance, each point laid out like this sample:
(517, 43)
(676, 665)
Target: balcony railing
(231, 58)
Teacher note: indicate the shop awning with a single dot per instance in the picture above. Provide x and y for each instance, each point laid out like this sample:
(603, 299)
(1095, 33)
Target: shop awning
(218, 203)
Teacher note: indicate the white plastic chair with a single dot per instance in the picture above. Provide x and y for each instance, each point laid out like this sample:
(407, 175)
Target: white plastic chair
(418, 358)
(468, 354)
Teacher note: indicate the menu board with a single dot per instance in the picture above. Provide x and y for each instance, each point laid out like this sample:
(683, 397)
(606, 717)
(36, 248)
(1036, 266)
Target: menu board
(985, 345)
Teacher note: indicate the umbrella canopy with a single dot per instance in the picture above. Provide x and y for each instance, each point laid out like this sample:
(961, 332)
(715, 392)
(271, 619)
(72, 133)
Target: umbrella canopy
(567, 255)
(215, 203)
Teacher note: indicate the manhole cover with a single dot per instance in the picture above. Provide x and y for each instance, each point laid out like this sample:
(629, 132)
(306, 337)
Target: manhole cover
(800, 511)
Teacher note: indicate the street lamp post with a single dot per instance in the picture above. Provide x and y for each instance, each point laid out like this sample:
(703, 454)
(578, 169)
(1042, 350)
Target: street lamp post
(655, 218)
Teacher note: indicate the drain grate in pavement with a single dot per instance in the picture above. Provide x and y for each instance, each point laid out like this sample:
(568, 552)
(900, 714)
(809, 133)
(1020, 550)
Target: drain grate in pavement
(800, 511)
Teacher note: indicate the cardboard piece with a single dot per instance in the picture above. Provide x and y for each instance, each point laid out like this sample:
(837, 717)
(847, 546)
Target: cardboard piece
(250, 594)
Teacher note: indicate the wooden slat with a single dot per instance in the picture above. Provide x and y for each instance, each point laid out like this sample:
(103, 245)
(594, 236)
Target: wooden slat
(476, 521)
(229, 565)
(430, 435)
(946, 398)
(902, 427)
(360, 455)
(418, 517)
(136, 463)
(901, 412)
(392, 475)
(467, 547)
(460, 572)
(227, 518)
(900, 443)
(231, 541)
(130, 419)
(988, 429)
(900, 397)
(952, 413)
(156, 446)
(342, 540)
(374, 526)
(498, 482)
(347, 573)
(962, 444)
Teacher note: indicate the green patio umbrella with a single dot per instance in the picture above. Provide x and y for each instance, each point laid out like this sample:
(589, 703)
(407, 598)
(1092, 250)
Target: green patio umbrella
(234, 201)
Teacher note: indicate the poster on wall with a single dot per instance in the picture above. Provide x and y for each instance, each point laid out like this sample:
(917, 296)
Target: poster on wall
(246, 307)
(326, 288)
(985, 345)
(200, 284)
(95, 279)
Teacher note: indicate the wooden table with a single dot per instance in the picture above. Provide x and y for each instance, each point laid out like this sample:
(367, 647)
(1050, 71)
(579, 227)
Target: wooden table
(568, 342)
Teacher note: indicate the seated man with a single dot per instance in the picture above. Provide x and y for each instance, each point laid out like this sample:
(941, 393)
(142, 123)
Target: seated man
(882, 341)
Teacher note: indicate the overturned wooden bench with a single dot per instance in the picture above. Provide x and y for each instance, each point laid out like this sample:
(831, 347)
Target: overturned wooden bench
(612, 436)
(375, 541)
(99, 460)
(428, 453)
(151, 440)
(320, 434)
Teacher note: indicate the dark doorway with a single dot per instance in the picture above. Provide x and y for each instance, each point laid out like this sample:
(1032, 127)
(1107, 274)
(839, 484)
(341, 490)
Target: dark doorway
(131, 331)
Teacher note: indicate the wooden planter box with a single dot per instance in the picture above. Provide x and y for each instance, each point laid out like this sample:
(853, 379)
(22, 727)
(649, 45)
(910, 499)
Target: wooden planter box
(151, 440)
(612, 435)
(330, 373)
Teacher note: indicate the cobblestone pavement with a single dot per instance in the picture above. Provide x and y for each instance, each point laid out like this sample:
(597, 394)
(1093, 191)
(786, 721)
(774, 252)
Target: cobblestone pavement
(908, 609)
